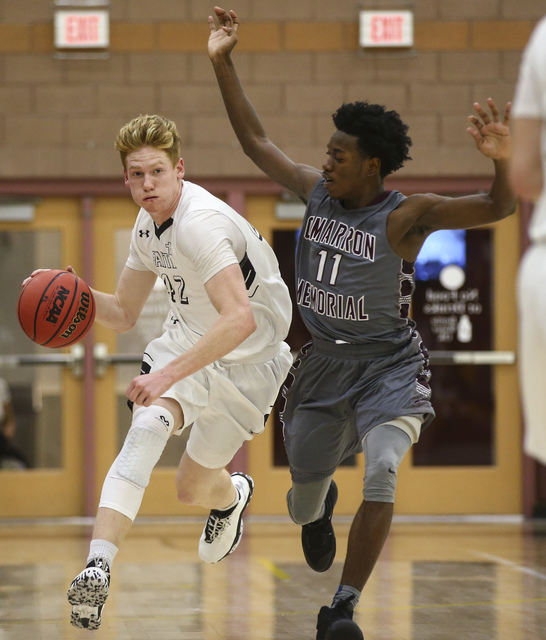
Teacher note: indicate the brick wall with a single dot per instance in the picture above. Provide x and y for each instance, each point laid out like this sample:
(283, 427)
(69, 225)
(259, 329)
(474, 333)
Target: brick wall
(298, 61)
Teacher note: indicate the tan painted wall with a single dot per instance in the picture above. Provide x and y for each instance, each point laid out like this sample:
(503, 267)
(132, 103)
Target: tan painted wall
(298, 60)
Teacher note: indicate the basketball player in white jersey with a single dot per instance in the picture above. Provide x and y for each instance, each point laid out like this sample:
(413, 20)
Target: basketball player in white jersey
(528, 171)
(361, 385)
(217, 367)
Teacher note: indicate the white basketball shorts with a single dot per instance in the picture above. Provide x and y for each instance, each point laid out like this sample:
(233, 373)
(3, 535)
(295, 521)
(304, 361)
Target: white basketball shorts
(225, 404)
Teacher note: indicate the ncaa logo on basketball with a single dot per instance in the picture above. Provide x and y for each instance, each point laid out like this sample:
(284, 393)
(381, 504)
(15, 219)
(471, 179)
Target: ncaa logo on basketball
(81, 314)
(57, 305)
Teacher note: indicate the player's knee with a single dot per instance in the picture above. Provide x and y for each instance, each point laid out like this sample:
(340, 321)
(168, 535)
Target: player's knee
(380, 479)
(130, 473)
(304, 515)
(305, 501)
(144, 444)
(301, 511)
(188, 497)
(384, 449)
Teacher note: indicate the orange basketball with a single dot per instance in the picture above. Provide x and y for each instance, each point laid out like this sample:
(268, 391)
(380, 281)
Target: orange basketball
(56, 308)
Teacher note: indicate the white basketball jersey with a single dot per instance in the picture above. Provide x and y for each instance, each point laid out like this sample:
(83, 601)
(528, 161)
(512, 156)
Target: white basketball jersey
(530, 102)
(204, 236)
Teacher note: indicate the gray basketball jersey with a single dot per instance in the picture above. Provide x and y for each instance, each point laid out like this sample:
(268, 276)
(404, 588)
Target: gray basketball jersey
(350, 285)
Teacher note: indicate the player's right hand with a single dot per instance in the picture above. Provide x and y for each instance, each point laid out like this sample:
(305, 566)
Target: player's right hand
(37, 271)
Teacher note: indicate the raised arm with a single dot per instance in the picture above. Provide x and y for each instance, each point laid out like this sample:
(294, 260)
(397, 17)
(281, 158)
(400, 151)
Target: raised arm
(492, 138)
(248, 128)
(421, 215)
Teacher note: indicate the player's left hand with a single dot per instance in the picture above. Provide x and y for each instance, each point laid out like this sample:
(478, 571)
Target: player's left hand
(146, 388)
(223, 32)
(492, 137)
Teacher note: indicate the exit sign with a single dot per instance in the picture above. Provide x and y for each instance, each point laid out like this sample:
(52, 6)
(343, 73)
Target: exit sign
(386, 29)
(82, 29)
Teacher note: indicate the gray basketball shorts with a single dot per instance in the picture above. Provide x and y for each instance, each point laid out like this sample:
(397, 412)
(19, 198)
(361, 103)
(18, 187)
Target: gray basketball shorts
(335, 394)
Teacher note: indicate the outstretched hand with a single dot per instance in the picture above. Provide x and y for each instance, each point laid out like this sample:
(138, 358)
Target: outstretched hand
(492, 137)
(223, 31)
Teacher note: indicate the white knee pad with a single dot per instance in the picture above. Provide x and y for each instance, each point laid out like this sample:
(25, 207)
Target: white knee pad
(124, 485)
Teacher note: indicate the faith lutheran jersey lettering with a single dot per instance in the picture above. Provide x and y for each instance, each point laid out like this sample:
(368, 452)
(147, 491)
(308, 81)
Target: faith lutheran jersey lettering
(204, 236)
(351, 286)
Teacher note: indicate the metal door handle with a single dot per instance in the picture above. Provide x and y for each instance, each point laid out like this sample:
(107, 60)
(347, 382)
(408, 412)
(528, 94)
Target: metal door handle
(74, 359)
(472, 357)
(103, 359)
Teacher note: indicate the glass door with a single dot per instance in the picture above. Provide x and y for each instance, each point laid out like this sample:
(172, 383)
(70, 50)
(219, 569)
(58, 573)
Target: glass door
(469, 460)
(41, 431)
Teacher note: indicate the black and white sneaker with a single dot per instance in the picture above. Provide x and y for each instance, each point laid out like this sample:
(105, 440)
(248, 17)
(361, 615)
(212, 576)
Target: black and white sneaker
(88, 593)
(318, 539)
(224, 529)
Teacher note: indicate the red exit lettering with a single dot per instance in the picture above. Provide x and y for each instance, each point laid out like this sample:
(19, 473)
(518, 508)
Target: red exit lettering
(386, 29)
(82, 29)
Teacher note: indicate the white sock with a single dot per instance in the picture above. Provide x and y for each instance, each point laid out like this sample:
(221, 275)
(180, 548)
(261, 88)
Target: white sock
(102, 549)
(347, 594)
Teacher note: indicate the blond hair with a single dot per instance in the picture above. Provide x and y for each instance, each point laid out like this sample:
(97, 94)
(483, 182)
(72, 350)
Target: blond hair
(149, 131)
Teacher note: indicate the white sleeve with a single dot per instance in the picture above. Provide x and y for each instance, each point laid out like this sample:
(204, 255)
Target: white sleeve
(530, 96)
(133, 260)
(211, 241)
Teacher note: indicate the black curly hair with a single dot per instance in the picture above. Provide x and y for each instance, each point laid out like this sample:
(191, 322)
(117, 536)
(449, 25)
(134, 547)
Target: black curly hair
(381, 133)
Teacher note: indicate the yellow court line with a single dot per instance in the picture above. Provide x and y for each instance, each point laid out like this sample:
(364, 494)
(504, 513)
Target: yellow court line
(273, 568)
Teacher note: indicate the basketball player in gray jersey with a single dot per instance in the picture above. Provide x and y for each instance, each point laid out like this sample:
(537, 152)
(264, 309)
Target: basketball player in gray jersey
(362, 383)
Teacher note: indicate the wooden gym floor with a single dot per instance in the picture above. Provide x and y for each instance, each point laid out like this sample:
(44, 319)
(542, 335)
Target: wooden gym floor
(448, 580)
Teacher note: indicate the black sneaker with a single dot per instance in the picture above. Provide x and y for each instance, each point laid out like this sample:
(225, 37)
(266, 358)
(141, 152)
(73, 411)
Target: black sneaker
(318, 538)
(88, 593)
(336, 623)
